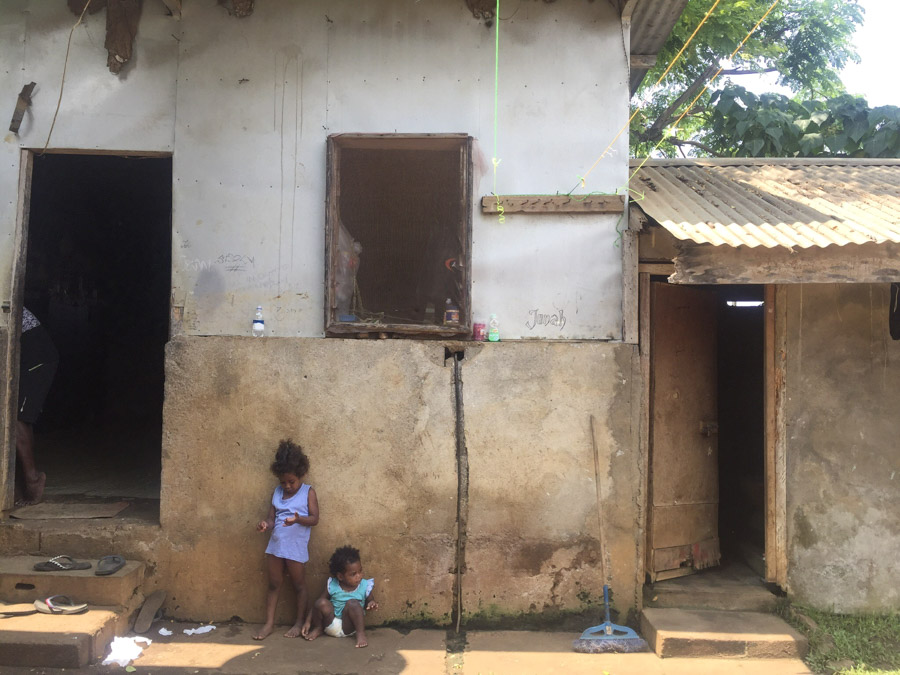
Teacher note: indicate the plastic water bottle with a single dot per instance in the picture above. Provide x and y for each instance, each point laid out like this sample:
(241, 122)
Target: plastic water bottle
(259, 324)
(493, 329)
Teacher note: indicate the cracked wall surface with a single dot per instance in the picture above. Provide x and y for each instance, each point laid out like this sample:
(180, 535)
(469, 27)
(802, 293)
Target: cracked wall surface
(377, 419)
(843, 458)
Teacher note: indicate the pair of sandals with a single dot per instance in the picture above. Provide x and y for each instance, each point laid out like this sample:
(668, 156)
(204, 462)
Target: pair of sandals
(108, 564)
(55, 604)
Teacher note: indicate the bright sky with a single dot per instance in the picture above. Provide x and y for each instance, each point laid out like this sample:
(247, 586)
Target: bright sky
(873, 77)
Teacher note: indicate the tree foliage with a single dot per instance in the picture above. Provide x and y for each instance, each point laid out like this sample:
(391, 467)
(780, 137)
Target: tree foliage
(742, 124)
(806, 42)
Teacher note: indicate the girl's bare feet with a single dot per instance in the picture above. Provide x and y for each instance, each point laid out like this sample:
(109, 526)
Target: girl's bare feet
(264, 632)
(361, 640)
(293, 631)
(313, 634)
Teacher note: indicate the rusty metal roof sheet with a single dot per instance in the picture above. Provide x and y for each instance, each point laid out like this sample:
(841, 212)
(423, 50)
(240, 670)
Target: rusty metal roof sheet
(772, 202)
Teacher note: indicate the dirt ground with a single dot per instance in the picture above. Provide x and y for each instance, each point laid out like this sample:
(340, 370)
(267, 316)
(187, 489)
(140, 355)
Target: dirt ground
(230, 649)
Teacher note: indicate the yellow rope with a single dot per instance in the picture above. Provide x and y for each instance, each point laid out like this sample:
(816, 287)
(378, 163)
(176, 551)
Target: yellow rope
(705, 87)
(661, 77)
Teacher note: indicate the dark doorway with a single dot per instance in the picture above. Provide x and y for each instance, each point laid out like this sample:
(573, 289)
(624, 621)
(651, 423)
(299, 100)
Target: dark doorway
(707, 429)
(97, 275)
(707, 448)
(741, 384)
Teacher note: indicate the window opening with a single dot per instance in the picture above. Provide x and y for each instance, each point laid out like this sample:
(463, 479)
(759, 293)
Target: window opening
(398, 233)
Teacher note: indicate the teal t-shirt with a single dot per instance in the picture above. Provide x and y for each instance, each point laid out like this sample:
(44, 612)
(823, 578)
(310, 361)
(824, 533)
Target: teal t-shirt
(339, 596)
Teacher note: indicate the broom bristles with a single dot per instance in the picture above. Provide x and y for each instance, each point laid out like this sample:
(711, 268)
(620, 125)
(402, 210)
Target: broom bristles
(610, 646)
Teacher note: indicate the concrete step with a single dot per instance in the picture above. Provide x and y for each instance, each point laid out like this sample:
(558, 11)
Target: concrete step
(714, 633)
(60, 640)
(684, 593)
(20, 583)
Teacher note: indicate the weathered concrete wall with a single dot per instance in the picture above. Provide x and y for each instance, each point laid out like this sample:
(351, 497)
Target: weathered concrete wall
(378, 421)
(533, 533)
(245, 107)
(843, 455)
(258, 97)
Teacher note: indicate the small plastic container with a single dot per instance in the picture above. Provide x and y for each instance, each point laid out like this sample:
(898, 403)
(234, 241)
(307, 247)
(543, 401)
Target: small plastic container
(479, 332)
(451, 313)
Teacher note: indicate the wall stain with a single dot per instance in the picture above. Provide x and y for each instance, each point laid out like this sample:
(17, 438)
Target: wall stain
(804, 535)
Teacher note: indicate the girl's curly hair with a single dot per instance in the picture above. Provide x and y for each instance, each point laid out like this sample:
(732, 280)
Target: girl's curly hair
(290, 458)
(342, 557)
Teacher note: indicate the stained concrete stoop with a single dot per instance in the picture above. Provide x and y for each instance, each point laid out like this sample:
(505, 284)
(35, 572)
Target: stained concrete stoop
(714, 633)
(733, 597)
(64, 641)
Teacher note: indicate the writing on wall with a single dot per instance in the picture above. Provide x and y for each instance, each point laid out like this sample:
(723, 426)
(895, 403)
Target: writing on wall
(538, 318)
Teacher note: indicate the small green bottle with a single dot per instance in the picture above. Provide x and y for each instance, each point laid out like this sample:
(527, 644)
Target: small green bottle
(493, 329)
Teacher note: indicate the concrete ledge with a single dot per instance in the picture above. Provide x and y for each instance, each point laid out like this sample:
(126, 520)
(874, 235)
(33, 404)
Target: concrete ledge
(712, 633)
(20, 583)
(57, 641)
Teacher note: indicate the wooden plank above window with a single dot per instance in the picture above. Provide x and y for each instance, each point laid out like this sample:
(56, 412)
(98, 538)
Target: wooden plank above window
(553, 204)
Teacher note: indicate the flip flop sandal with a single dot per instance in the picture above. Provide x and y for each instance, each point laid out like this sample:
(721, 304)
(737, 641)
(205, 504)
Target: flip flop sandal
(6, 613)
(59, 604)
(109, 564)
(149, 611)
(61, 563)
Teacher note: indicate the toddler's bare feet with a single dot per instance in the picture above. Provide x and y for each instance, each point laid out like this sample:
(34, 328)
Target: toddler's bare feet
(361, 641)
(313, 634)
(293, 631)
(264, 632)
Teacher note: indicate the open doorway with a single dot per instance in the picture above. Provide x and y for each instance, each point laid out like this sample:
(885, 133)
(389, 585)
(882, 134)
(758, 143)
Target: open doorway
(741, 382)
(97, 277)
(707, 446)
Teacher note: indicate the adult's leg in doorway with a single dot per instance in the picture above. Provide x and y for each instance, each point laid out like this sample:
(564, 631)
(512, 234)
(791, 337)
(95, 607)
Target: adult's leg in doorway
(34, 479)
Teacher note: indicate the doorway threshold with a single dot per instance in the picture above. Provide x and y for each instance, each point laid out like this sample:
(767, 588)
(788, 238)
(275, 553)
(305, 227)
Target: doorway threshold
(84, 511)
(732, 586)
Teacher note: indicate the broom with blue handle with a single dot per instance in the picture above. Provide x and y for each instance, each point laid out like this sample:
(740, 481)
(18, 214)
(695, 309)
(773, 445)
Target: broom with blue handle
(607, 637)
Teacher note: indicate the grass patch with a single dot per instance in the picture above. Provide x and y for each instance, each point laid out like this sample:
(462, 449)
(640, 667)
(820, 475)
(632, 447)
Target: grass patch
(850, 644)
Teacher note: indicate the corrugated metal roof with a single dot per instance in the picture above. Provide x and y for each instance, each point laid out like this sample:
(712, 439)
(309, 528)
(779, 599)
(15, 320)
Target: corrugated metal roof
(651, 23)
(772, 202)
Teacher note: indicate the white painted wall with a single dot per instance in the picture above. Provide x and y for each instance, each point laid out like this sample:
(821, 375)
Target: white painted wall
(255, 99)
(99, 111)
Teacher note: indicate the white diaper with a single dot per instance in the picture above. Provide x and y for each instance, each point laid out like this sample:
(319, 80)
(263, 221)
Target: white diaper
(336, 628)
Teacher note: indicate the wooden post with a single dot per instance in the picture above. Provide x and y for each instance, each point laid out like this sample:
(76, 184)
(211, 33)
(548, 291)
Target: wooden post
(10, 393)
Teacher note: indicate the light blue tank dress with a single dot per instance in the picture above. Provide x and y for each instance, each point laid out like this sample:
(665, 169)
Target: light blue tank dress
(291, 542)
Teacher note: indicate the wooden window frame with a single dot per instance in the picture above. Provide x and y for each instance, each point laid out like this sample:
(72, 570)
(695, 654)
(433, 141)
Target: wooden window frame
(335, 144)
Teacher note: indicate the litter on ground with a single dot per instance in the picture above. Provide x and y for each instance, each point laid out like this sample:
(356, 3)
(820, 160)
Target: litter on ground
(197, 631)
(124, 650)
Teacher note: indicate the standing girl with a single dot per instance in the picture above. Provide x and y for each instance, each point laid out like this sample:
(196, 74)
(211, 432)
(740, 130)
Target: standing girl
(294, 511)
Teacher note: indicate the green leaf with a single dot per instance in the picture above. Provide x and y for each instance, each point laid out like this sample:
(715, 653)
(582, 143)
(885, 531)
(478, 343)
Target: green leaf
(811, 144)
(754, 146)
(858, 129)
(875, 146)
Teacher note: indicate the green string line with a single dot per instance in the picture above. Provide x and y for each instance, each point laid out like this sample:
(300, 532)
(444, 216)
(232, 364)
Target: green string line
(495, 161)
(496, 81)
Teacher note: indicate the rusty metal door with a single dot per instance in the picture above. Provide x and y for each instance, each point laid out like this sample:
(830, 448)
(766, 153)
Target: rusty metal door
(684, 472)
